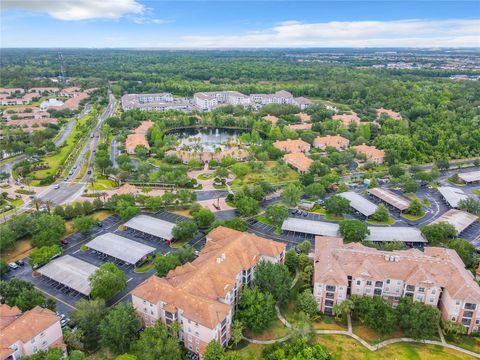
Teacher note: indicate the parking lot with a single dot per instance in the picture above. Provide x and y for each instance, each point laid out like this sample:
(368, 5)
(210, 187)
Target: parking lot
(66, 298)
(171, 217)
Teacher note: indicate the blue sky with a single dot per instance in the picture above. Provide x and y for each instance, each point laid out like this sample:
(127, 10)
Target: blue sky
(211, 24)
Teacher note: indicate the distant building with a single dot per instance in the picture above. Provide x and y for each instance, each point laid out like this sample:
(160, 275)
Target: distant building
(304, 117)
(371, 152)
(347, 119)
(157, 102)
(302, 102)
(298, 161)
(435, 277)
(201, 296)
(300, 127)
(272, 119)
(390, 113)
(292, 146)
(338, 142)
(27, 333)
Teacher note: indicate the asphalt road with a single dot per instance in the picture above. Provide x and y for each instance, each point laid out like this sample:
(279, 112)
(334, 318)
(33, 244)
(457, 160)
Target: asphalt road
(69, 189)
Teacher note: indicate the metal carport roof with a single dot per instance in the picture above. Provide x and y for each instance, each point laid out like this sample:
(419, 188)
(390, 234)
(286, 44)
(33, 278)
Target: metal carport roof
(152, 226)
(359, 203)
(71, 272)
(120, 247)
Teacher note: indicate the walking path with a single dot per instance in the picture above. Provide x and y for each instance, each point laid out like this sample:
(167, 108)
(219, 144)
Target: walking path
(370, 347)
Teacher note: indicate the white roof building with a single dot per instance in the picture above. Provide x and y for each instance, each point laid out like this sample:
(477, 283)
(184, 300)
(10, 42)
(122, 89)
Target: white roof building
(452, 195)
(151, 226)
(359, 203)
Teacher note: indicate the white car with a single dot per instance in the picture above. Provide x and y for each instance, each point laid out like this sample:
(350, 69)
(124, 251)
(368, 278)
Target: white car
(13, 266)
(56, 187)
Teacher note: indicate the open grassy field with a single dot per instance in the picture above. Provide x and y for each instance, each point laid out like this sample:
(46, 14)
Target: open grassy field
(275, 331)
(265, 175)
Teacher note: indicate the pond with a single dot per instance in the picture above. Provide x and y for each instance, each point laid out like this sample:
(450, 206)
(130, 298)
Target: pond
(206, 138)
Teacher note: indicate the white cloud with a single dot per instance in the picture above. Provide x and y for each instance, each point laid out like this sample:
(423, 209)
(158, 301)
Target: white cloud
(148, 20)
(78, 9)
(399, 33)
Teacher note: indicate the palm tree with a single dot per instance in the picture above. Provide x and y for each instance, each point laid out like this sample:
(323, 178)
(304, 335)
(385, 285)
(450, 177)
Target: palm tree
(49, 204)
(37, 203)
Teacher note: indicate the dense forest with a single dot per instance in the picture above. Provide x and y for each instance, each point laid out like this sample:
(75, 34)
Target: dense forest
(442, 116)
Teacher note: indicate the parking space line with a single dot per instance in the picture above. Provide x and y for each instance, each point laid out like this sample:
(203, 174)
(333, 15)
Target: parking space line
(130, 279)
(54, 297)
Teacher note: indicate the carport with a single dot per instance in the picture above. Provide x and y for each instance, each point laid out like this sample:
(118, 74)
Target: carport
(470, 177)
(390, 198)
(301, 226)
(359, 203)
(69, 272)
(460, 220)
(151, 228)
(404, 234)
(452, 195)
(120, 248)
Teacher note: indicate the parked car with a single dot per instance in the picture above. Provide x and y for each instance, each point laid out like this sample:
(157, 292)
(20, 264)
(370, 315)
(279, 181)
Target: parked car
(56, 187)
(13, 266)
(89, 172)
(64, 242)
(18, 196)
(20, 262)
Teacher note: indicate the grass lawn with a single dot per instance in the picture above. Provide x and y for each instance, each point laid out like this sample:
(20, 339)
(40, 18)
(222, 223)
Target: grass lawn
(413, 217)
(333, 217)
(17, 202)
(21, 249)
(185, 213)
(476, 192)
(450, 180)
(471, 343)
(205, 176)
(275, 331)
(5, 186)
(328, 323)
(346, 348)
(145, 268)
(372, 336)
(318, 210)
(102, 184)
(24, 192)
(390, 221)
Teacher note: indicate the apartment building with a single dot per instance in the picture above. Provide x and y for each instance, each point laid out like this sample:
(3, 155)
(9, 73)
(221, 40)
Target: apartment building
(24, 334)
(435, 277)
(279, 97)
(157, 102)
(390, 113)
(292, 146)
(298, 161)
(201, 296)
(207, 101)
(338, 142)
(371, 152)
(347, 119)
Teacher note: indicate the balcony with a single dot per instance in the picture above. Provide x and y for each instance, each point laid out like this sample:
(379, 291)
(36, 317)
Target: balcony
(378, 283)
(410, 288)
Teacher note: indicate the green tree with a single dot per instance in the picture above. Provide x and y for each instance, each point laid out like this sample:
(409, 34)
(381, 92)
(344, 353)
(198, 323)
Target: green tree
(236, 332)
(307, 303)
(343, 309)
(353, 230)
(157, 343)
(381, 214)
(119, 328)
(416, 319)
(337, 205)
(452, 329)
(7, 238)
(42, 255)
(276, 214)
(410, 185)
(291, 194)
(415, 207)
(87, 317)
(470, 204)
(203, 217)
(221, 172)
(165, 263)
(438, 233)
(3, 268)
(16, 292)
(295, 349)
(373, 183)
(304, 247)
(141, 151)
(247, 206)
(233, 223)
(106, 281)
(184, 230)
(466, 251)
(315, 190)
(240, 169)
(49, 229)
(442, 164)
(396, 171)
(84, 224)
(126, 210)
(256, 309)
(291, 260)
(273, 278)
(214, 350)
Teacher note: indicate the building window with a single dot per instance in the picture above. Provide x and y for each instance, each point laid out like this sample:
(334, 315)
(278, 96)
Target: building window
(421, 290)
(358, 282)
(369, 283)
(388, 281)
